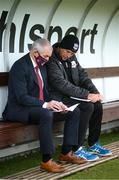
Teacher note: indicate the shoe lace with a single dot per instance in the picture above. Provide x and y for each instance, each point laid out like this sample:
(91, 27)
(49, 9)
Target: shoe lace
(84, 152)
(55, 163)
(99, 147)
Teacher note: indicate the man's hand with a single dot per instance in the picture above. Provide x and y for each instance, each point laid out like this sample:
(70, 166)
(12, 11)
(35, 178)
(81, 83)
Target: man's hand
(56, 106)
(95, 97)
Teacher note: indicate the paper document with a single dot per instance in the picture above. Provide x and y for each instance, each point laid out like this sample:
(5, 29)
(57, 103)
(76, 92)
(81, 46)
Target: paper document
(71, 108)
(80, 99)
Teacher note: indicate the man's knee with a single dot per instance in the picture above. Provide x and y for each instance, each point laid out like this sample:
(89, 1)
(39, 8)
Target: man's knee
(98, 106)
(46, 118)
(87, 106)
(38, 115)
(46, 114)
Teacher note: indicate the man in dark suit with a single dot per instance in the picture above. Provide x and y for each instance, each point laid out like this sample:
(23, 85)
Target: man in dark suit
(28, 102)
(67, 78)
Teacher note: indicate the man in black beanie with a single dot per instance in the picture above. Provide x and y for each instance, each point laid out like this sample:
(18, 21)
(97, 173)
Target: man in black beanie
(68, 79)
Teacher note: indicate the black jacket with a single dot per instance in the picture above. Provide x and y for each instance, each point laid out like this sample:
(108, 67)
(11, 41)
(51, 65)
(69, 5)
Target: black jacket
(23, 90)
(61, 88)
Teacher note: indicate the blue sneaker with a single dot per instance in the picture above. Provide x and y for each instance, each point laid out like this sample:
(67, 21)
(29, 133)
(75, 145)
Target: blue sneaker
(82, 153)
(99, 150)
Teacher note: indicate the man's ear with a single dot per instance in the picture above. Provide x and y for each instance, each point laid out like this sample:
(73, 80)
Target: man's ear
(35, 53)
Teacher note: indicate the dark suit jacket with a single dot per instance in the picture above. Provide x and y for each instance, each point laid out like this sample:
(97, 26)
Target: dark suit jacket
(23, 90)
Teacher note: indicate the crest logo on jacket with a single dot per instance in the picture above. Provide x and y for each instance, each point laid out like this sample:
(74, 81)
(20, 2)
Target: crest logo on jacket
(73, 64)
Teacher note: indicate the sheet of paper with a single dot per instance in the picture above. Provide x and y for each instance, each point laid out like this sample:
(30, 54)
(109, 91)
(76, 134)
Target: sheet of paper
(80, 99)
(71, 108)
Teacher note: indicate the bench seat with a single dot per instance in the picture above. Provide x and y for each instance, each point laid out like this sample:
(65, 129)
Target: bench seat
(110, 111)
(14, 133)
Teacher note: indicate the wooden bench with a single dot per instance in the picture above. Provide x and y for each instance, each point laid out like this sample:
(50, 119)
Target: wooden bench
(17, 133)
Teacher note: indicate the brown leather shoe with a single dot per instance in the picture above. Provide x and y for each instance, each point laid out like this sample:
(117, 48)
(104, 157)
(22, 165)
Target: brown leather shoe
(52, 166)
(71, 158)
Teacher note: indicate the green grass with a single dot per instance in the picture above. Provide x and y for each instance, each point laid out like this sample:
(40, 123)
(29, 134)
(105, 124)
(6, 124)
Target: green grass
(108, 170)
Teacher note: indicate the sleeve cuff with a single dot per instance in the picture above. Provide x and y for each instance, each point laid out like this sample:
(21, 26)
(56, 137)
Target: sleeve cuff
(45, 105)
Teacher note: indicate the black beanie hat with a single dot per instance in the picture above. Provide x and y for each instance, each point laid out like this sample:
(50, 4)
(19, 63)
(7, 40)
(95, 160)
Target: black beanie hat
(70, 42)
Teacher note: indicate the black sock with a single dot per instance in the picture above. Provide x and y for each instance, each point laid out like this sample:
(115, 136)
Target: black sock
(75, 148)
(46, 157)
(66, 149)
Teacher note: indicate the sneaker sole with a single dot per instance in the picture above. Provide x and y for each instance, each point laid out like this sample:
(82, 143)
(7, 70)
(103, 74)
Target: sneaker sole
(103, 155)
(91, 160)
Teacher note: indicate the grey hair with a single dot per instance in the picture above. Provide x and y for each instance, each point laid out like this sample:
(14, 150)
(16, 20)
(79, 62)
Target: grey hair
(40, 44)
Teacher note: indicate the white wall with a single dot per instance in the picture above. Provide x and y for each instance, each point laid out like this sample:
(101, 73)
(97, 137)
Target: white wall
(99, 19)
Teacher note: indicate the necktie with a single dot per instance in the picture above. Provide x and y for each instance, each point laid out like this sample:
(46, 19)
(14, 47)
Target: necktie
(40, 83)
